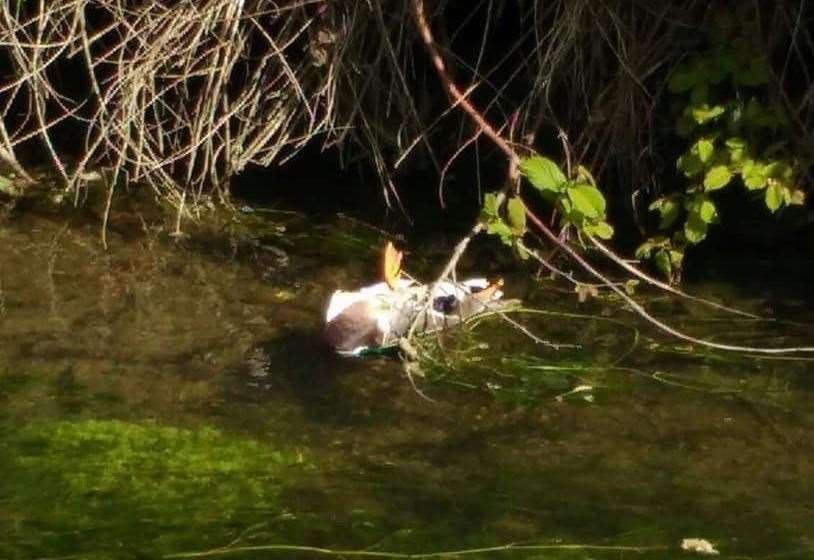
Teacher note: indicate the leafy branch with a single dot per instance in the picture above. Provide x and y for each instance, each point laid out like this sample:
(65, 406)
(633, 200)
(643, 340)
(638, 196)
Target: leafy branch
(577, 199)
(735, 136)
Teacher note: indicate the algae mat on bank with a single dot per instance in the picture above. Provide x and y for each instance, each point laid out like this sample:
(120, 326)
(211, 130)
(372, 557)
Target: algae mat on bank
(102, 486)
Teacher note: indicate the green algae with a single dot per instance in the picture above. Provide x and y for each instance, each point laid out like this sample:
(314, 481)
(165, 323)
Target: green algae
(142, 484)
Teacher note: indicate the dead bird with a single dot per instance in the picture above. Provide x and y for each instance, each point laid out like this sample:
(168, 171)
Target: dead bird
(374, 317)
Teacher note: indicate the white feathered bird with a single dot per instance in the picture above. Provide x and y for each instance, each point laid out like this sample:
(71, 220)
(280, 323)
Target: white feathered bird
(376, 316)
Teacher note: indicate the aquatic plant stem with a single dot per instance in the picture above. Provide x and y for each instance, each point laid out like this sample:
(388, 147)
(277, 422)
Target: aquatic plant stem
(419, 556)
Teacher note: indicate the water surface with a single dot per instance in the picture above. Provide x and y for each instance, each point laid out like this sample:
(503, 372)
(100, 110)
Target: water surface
(172, 394)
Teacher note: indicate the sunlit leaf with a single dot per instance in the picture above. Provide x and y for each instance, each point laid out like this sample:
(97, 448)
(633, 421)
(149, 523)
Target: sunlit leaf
(587, 200)
(754, 175)
(703, 113)
(516, 213)
(643, 251)
(676, 258)
(501, 229)
(602, 230)
(490, 206)
(705, 149)
(521, 251)
(695, 229)
(543, 174)
(717, 177)
(707, 211)
(774, 196)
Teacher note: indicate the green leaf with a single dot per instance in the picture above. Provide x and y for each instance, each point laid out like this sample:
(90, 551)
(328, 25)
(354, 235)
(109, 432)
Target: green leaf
(702, 206)
(663, 263)
(490, 206)
(705, 149)
(774, 196)
(683, 79)
(587, 200)
(676, 257)
(668, 210)
(643, 251)
(707, 211)
(738, 148)
(703, 113)
(690, 164)
(543, 174)
(736, 158)
(602, 230)
(516, 213)
(717, 177)
(501, 229)
(754, 175)
(695, 229)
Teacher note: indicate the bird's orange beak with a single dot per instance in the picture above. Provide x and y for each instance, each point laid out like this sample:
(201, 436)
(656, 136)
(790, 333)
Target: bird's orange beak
(489, 291)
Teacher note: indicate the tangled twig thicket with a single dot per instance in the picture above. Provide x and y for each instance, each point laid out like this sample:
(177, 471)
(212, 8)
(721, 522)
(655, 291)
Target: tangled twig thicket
(181, 95)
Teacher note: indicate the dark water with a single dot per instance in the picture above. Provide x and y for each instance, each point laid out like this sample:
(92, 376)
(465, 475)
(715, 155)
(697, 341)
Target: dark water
(172, 395)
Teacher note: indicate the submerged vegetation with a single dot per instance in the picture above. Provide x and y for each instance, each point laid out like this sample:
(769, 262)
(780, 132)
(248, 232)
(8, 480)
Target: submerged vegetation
(168, 480)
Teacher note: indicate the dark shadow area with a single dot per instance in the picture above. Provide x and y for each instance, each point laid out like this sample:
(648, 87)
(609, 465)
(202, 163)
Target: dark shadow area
(299, 366)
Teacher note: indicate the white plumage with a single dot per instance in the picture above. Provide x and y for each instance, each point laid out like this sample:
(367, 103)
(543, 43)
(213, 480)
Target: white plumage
(377, 315)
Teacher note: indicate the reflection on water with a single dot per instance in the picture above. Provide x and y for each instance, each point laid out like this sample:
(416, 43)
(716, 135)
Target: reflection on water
(174, 395)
